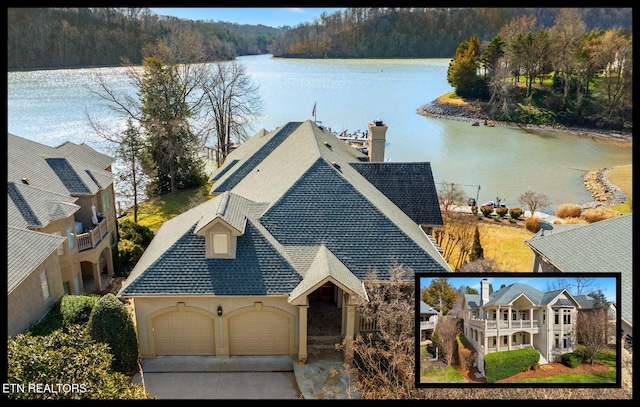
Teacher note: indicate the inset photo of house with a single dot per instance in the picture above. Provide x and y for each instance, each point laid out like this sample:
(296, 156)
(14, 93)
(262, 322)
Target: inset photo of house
(519, 329)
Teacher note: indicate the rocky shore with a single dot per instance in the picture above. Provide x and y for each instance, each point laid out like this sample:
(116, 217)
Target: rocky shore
(604, 192)
(471, 113)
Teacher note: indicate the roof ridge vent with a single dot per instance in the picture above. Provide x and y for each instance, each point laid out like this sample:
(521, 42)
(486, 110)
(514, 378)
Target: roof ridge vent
(223, 203)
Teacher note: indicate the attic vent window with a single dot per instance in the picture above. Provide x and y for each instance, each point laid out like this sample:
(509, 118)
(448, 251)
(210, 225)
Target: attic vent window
(328, 145)
(335, 164)
(25, 181)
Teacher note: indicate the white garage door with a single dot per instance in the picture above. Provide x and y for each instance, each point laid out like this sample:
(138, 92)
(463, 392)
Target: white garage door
(259, 333)
(184, 333)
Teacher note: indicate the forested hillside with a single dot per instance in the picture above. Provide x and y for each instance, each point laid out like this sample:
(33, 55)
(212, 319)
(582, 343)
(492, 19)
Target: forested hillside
(40, 38)
(417, 32)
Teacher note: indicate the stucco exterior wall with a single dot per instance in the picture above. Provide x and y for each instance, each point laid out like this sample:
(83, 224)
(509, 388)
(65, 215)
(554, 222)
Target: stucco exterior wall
(26, 304)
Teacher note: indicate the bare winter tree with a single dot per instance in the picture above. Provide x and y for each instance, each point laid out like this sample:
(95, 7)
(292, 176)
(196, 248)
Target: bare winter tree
(385, 358)
(445, 337)
(534, 200)
(456, 238)
(593, 329)
(450, 196)
(233, 102)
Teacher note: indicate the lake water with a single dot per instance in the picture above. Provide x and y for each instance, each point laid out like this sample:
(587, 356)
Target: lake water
(50, 107)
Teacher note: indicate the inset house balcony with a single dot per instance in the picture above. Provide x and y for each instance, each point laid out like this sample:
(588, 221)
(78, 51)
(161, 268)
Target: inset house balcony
(427, 325)
(93, 236)
(491, 324)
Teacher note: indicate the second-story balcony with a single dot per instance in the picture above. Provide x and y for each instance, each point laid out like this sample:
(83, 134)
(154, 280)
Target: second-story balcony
(427, 325)
(487, 324)
(93, 236)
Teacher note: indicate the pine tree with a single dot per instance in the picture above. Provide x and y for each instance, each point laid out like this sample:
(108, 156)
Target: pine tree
(477, 252)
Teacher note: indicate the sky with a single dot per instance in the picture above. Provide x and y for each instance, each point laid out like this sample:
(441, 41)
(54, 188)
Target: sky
(607, 284)
(269, 16)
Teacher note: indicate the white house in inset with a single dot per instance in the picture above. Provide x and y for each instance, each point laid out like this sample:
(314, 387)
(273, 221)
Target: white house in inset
(428, 321)
(520, 316)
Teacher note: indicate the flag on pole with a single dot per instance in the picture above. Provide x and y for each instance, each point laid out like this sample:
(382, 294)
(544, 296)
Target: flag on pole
(313, 112)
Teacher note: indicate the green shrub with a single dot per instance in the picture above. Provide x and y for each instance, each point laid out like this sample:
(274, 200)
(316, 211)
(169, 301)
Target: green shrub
(502, 212)
(486, 210)
(52, 321)
(516, 213)
(76, 309)
(511, 220)
(500, 365)
(129, 230)
(67, 359)
(111, 323)
(129, 251)
(571, 359)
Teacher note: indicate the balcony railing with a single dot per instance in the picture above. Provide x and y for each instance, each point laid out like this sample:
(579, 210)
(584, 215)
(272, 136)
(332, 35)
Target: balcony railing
(486, 324)
(427, 325)
(92, 238)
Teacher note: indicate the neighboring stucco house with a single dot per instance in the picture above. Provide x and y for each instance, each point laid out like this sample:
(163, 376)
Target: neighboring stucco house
(299, 222)
(428, 320)
(519, 316)
(603, 246)
(65, 192)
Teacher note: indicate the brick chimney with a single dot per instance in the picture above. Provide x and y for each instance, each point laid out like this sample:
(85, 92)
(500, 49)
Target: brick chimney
(377, 132)
(484, 291)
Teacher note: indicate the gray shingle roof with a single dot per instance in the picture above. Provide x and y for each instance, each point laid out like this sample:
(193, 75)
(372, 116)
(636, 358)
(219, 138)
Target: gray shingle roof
(603, 246)
(427, 309)
(409, 185)
(306, 213)
(32, 207)
(506, 295)
(26, 250)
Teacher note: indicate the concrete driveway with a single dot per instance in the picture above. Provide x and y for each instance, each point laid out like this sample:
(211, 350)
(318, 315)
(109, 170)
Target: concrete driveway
(203, 377)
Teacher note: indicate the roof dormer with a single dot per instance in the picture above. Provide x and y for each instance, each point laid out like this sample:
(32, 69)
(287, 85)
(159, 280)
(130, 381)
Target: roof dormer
(221, 229)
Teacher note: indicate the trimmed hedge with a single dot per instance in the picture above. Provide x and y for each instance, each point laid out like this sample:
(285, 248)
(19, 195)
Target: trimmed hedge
(110, 322)
(76, 309)
(500, 365)
(75, 366)
(571, 359)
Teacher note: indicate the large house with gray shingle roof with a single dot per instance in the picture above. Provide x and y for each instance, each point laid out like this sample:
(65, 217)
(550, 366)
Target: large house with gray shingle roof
(519, 316)
(298, 225)
(603, 246)
(61, 226)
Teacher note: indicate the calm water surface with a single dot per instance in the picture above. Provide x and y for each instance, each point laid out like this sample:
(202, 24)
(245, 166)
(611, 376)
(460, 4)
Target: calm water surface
(51, 106)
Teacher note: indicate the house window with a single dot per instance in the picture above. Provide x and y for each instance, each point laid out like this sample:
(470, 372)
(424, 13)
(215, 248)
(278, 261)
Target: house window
(514, 315)
(556, 314)
(220, 243)
(61, 245)
(514, 339)
(566, 341)
(544, 316)
(71, 238)
(557, 340)
(505, 315)
(106, 202)
(566, 317)
(67, 287)
(505, 340)
(494, 341)
(45, 285)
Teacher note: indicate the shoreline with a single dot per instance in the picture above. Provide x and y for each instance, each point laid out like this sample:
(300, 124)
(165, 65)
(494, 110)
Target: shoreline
(596, 183)
(468, 113)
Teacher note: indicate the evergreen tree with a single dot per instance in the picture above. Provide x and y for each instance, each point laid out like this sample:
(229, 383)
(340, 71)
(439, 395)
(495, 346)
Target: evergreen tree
(477, 252)
(111, 323)
(462, 73)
